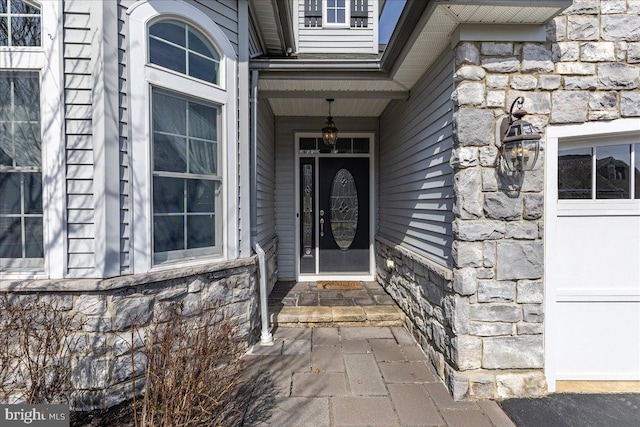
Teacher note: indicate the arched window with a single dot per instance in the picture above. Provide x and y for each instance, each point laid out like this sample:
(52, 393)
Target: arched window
(180, 47)
(20, 23)
(183, 129)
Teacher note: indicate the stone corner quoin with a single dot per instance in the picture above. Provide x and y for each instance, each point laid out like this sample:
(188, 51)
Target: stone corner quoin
(483, 330)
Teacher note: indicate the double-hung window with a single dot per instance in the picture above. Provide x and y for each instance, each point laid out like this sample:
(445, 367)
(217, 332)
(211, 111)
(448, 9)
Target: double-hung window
(21, 225)
(183, 129)
(25, 78)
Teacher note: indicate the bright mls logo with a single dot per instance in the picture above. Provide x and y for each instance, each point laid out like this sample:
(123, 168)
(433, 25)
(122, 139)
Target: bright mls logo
(34, 415)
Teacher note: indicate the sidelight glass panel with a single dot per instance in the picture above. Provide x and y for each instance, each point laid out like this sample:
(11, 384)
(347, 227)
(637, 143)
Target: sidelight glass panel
(307, 206)
(574, 173)
(613, 180)
(308, 144)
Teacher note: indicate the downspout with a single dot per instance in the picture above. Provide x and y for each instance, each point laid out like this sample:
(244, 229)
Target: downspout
(265, 336)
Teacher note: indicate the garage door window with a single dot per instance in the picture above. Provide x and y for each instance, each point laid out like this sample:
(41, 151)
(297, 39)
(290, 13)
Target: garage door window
(599, 172)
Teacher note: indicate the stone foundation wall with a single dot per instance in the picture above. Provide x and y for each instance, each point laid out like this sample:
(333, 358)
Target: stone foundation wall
(471, 338)
(101, 359)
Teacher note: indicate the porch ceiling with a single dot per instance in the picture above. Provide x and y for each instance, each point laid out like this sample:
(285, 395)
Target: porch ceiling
(298, 86)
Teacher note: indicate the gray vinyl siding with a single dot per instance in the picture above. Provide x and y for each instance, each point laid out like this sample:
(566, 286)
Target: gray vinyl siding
(79, 142)
(415, 184)
(337, 40)
(286, 127)
(266, 176)
(225, 14)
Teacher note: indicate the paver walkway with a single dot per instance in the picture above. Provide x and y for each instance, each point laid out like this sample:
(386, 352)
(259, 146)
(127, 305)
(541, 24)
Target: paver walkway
(353, 376)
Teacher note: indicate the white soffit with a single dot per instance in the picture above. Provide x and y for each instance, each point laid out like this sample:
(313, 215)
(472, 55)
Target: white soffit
(433, 39)
(267, 24)
(436, 34)
(319, 107)
(501, 14)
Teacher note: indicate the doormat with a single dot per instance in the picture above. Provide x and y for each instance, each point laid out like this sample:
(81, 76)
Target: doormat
(340, 285)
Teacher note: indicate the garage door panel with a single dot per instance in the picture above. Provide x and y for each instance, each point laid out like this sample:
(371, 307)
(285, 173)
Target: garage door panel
(598, 341)
(599, 253)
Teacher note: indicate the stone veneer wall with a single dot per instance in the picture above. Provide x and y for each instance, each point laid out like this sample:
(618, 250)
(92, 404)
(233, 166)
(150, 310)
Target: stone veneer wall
(486, 328)
(102, 365)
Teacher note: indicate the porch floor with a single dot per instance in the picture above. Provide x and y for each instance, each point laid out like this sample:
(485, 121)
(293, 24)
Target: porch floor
(332, 303)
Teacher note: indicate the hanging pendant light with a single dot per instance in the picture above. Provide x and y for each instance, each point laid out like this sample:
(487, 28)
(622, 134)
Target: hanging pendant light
(329, 132)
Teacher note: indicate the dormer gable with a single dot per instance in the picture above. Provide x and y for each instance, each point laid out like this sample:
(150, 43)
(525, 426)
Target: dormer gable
(337, 26)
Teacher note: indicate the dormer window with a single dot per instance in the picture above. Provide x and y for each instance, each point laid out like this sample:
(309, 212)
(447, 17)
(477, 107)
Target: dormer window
(180, 47)
(336, 12)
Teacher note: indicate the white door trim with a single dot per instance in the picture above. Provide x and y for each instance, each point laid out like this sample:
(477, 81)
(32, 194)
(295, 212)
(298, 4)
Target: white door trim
(372, 205)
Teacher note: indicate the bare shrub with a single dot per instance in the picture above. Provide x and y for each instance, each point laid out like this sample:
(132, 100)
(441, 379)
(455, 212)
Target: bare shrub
(194, 370)
(35, 354)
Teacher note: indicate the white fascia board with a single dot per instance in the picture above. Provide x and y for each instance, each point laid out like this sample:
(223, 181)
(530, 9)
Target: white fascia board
(561, 4)
(325, 65)
(499, 33)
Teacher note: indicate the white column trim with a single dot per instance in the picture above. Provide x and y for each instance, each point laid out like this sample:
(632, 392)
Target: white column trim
(244, 161)
(106, 139)
(53, 142)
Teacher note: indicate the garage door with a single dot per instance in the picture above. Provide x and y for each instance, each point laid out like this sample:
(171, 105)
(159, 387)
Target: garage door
(593, 259)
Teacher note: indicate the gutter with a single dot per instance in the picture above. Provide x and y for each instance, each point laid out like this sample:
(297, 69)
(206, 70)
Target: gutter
(266, 338)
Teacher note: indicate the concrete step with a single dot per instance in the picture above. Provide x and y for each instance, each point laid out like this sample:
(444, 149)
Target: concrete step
(310, 316)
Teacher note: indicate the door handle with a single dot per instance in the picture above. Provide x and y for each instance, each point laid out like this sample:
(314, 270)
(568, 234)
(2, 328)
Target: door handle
(321, 227)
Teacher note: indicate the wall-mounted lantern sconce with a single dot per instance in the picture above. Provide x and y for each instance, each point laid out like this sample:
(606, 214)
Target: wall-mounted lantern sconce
(330, 132)
(520, 141)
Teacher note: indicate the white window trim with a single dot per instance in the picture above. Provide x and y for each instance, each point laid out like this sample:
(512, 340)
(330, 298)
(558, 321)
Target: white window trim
(556, 135)
(47, 60)
(141, 76)
(347, 16)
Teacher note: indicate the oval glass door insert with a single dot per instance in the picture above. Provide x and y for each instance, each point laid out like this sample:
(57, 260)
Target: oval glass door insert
(344, 209)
